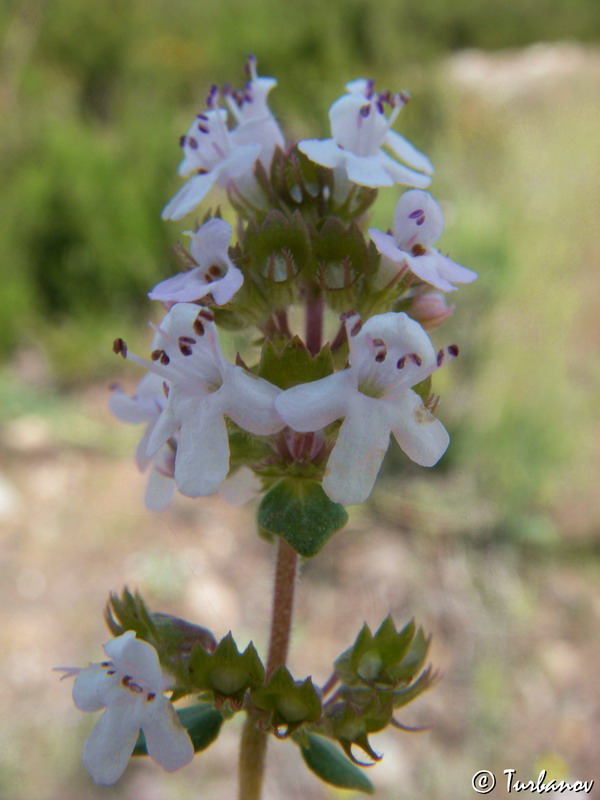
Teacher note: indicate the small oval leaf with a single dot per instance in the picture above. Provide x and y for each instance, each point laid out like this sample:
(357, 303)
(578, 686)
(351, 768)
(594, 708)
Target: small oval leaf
(301, 513)
(332, 766)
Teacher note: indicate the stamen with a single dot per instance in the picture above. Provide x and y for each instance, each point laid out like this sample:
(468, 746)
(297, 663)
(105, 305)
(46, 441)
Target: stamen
(206, 314)
(110, 671)
(203, 129)
(401, 362)
(151, 696)
(365, 110)
(432, 403)
(356, 328)
(198, 326)
(418, 249)
(416, 359)
(215, 271)
(120, 347)
(182, 140)
(192, 142)
(129, 683)
(185, 345)
(166, 389)
(453, 350)
(160, 355)
(419, 215)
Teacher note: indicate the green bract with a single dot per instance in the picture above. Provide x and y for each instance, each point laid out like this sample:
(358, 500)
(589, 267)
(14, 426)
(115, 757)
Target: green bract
(301, 513)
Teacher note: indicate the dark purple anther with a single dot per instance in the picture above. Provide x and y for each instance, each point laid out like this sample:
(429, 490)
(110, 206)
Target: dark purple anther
(418, 215)
(365, 110)
(401, 362)
(439, 358)
(192, 142)
(453, 350)
(416, 359)
(379, 105)
(182, 140)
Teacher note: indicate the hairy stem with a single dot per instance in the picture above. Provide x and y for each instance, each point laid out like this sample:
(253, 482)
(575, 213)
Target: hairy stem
(253, 746)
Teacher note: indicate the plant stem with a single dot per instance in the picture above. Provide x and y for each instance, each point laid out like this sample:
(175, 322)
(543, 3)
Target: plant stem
(253, 746)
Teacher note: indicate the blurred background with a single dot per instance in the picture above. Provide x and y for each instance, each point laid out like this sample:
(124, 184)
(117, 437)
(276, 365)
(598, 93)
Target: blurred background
(495, 551)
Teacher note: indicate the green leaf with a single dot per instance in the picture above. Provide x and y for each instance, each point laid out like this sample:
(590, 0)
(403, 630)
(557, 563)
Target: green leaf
(202, 721)
(301, 513)
(293, 364)
(331, 766)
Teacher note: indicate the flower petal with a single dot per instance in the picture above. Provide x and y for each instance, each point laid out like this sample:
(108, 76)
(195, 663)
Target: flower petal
(91, 688)
(159, 491)
(250, 401)
(312, 406)
(408, 152)
(368, 170)
(182, 288)
(420, 435)
(191, 193)
(322, 151)
(402, 174)
(137, 658)
(356, 458)
(202, 460)
(167, 740)
(452, 271)
(425, 267)
(417, 218)
(386, 245)
(108, 747)
(224, 289)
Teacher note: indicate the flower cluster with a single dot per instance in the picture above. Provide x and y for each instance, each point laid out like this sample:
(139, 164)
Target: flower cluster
(299, 246)
(332, 321)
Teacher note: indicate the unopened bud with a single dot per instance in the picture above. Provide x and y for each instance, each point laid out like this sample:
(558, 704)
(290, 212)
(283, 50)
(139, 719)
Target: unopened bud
(430, 309)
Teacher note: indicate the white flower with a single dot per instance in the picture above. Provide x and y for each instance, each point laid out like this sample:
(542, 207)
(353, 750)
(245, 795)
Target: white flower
(130, 687)
(389, 354)
(214, 273)
(359, 130)
(217, 155)
(146, 405)
(418, 222)
(202, 389)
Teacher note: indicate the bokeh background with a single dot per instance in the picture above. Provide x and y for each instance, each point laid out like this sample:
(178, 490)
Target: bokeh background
(495, 551)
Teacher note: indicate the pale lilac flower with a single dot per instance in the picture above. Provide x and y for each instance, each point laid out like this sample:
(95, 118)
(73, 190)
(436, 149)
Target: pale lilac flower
(389, 354)
(203, 388)
(217, 155)
(214, 273)
(145, 406)
(130, 686)
(418, 223)
(359, 130)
